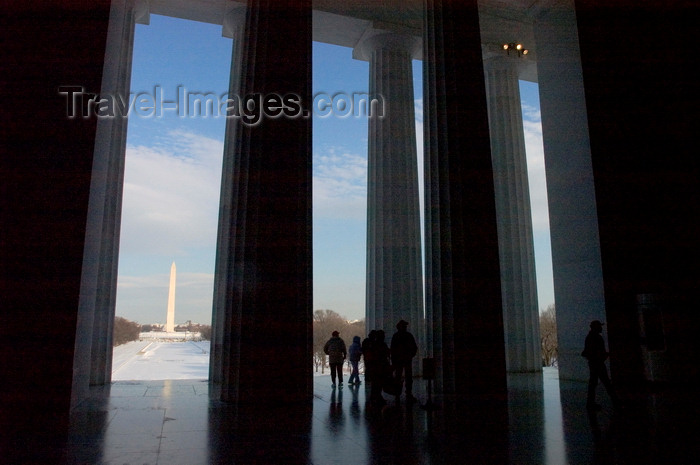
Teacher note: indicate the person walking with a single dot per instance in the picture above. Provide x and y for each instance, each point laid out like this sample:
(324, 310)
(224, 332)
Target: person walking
(403, 349)
(335, 349)
(355, 353)
(594, 351)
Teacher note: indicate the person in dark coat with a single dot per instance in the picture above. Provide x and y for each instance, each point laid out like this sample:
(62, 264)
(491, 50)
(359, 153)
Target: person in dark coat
(378, 367)
(403, 349)
(594, 351)
(367, 354)
(335, 349)
(355, 354)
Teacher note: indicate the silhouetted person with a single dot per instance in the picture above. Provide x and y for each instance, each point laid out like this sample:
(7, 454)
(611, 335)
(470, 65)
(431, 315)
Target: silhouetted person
(379, 366)
(594, 351)
(367, 354)
(335, 349)
(403, 349)
(355, 353)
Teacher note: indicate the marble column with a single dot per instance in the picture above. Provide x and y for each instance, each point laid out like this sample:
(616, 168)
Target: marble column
(234, 28)
(98, 291)
(266, 332)
(515, 242)
(51, 263)
(464, 314)
(573, 213)
(394, 286)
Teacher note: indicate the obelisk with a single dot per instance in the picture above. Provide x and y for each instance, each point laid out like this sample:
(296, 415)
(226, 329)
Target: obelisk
(170, 319)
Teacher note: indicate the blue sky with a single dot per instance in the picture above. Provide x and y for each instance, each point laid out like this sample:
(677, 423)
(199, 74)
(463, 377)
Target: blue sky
(173, 169)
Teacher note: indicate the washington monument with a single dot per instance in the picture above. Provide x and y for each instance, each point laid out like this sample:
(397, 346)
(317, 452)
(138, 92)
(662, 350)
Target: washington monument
(170, 319)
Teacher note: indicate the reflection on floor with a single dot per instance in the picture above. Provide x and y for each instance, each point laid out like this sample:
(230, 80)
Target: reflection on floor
(176, 422)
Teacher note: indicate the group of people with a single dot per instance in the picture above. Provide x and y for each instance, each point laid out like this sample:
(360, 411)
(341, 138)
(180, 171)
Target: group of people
(386, 367)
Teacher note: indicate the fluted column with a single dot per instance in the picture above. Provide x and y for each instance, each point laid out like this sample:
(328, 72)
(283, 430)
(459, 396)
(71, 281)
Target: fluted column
(266, 332)
(394, 289)
(515, 242)
(233, 27)
(464, 315)
(573, 211)
(93, 351)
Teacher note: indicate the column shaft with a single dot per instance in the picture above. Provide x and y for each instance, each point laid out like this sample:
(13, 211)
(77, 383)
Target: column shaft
(235, 22)
(49, 279)
(573, 213)
(394, 268)
(463, 294)
(266, 340)
(516, 247)
(101, 255)
(464, 312)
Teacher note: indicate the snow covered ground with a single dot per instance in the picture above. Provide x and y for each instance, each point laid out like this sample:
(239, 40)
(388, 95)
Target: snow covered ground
(157, 360)
(153, 360)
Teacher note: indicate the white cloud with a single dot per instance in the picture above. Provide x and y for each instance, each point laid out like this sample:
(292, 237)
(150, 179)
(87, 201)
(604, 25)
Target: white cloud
(145, 298)
(420, 161)
(531, 113)
(143, 282)
(339, 184)
(418, 108)
(532, 127)
(171, 194)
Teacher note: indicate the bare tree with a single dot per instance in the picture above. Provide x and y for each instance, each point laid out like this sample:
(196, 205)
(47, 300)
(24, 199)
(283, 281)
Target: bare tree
(356, 328)
(125, 331)
(324, 323)
(548, 336)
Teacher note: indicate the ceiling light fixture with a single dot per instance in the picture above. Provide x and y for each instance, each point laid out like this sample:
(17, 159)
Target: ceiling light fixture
(515, 47)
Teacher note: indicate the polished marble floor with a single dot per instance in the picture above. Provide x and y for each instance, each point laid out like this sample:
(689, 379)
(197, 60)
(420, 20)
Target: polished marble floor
(176, 422)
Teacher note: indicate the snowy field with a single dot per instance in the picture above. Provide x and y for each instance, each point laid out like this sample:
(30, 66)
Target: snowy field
(158, 360)
(152, 360)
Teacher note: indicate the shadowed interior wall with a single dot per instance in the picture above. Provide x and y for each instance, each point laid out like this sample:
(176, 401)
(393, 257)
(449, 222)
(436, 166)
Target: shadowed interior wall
(46, 170)
(644, 145)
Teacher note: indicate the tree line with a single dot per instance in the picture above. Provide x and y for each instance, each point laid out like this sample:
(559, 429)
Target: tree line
(125, 331)
(324, 323)
(327, 321)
